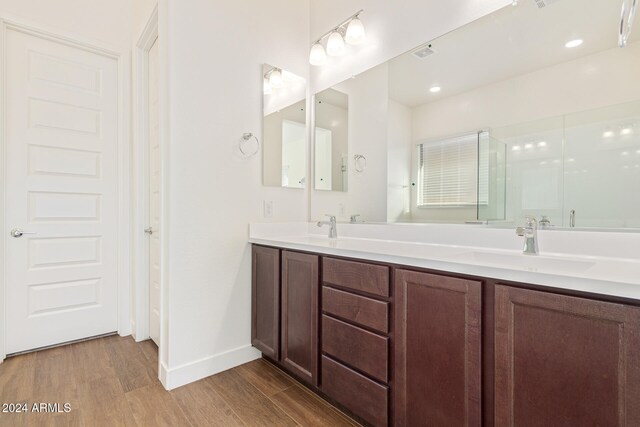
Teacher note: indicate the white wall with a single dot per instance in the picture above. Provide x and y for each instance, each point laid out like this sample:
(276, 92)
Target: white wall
(392, 28)
(593, 81)
(399, 151)
(368, 112)
(216, 52)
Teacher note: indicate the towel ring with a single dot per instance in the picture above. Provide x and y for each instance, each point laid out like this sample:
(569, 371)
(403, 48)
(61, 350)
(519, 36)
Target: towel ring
(244, 146)
(359, 163)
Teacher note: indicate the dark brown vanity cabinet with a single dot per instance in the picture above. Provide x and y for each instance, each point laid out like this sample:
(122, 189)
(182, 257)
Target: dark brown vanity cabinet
(355, 341)
(265, 300)
(437, 367)
(299, 351)
(401, 347)
(562, 360)
(284, 324)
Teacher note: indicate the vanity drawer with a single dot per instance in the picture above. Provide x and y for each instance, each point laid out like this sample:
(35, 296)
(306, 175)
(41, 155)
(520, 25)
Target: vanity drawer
(369, 278)
(365, 398)
(357, 347)
(361, 310)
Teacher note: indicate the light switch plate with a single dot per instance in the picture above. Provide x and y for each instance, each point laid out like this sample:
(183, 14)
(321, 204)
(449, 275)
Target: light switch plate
(268, 208)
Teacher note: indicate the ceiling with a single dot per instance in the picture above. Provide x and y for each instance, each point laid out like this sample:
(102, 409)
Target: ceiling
(508, 43)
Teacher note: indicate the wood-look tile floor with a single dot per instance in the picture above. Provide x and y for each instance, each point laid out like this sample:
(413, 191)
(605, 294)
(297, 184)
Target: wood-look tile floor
(112, 381)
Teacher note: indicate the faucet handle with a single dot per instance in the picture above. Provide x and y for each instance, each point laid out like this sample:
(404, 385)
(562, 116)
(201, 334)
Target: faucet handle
(332, 218)
(354, 218)
(531, 221)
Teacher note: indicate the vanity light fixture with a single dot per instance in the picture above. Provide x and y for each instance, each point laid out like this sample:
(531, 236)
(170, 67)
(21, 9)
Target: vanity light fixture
(275, 78)
(350, 30)
(355, 32)
(528, 146)
(516, 148)
(435, 89)
(266, 87)
(335, 44)
(318, 56)
(573, 43)
(626, 131)
(542, 144)
(607, 134)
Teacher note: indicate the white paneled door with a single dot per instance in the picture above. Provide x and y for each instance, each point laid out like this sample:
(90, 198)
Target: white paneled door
(61, 132)
(154, 195)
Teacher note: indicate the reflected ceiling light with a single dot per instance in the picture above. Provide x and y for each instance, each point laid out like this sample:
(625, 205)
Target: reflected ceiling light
(626, 131)
(528, 146)
(355, 32)
(542, 144)
(515, 148)
(607, 134)
(435, 89)
(625, 153)
(275, 78)
(637, 151)
(317, 56)
(351, 30)
(571, 160)
(335, 44)
(573, 43)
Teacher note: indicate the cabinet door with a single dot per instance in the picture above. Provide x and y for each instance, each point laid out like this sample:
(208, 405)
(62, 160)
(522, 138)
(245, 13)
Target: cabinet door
(437, 350)
(300, 314)
(265, 300)
(565, 361)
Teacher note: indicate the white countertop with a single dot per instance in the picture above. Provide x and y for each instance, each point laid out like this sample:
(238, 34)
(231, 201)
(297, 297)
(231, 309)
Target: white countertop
(606, 275)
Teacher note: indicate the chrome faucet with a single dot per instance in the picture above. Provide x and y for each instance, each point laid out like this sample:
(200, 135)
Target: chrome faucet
(530, 234)
(333, 230)
(354, 218)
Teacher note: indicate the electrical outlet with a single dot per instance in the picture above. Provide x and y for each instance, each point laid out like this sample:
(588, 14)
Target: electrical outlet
(268, 209)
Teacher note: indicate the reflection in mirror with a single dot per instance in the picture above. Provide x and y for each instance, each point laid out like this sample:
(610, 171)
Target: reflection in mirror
(284, 128)
(557, 97)
(331, 140)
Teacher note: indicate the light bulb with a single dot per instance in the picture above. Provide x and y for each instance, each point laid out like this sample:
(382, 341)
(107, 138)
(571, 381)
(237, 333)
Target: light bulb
(275, 78)
(317, 56)
(266, 86)
(335, 44)
(355, 32)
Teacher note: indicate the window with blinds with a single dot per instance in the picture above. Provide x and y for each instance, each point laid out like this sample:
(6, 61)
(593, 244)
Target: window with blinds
(453, 172)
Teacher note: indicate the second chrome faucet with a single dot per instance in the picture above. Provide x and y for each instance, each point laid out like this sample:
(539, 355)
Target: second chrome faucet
(530, 234)
(333, 230)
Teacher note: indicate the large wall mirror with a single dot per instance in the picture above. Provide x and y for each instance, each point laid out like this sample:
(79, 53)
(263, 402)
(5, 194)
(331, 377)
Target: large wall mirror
(284, 128)
(529, 111)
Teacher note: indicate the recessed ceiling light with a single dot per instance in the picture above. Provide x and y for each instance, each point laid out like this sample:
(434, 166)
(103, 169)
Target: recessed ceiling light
(528, 146)
(625, 153)
(571, 160)
(515, 148)
(608, 134)
(435, 89)
(542, 144)
(573, 43)
(626, 131)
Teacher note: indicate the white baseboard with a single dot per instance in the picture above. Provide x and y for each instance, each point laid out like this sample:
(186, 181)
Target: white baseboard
(199, 369)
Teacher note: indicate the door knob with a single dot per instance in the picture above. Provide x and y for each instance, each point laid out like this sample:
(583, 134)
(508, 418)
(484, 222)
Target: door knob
(148, 230)
(16, 232)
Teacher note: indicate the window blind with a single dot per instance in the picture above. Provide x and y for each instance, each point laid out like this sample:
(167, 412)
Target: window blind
(449, 172)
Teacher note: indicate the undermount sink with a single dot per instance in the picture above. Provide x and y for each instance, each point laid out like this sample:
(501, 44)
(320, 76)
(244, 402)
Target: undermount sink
(526, 262)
